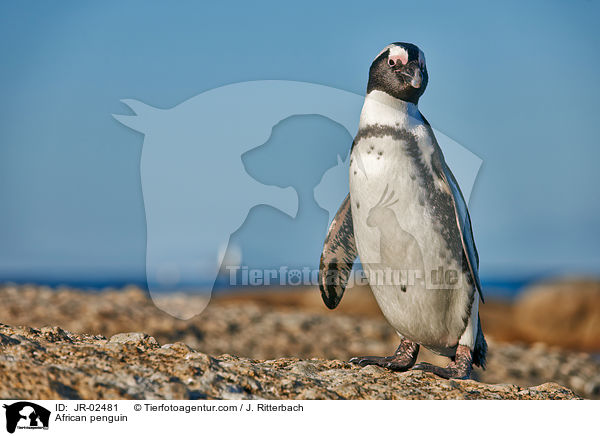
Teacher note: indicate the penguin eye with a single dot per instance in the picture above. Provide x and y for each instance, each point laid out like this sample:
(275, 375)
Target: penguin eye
(391, 62)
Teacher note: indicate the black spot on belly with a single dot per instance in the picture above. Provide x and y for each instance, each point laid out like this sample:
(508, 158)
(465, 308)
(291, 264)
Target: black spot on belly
(357, 205)
(403, 288)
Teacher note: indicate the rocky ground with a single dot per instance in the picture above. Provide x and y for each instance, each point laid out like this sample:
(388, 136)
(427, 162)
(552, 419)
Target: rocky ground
(276, 329)
(51, 363)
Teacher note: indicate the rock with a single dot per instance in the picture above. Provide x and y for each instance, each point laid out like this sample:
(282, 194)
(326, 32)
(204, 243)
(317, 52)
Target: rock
(254, 331)
(80, 367)
(7, 340)
(526, 365)
(564, 313)
(178, 347)
(135, 338)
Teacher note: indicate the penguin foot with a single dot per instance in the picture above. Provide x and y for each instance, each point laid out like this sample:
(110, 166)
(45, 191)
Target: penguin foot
(404, 358)
(459, 368)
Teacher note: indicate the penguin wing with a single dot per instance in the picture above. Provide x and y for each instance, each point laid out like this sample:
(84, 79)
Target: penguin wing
(463, 221)
(339, 254)
(461, 212)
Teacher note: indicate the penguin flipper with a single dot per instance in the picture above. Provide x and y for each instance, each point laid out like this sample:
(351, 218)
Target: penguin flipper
(463, 219)
(338, 256)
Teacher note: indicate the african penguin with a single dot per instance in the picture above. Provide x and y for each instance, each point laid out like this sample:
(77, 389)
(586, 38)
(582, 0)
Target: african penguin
(406, 218)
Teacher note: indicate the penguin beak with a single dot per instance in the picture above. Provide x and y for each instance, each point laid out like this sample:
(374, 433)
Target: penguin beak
(412, 74)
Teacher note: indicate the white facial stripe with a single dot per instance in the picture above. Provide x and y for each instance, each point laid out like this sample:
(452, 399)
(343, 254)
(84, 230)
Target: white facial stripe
(399, 53)
(384, 49)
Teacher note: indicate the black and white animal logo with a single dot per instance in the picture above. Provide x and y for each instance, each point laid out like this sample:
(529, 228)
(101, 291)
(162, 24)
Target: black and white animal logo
(26, 415)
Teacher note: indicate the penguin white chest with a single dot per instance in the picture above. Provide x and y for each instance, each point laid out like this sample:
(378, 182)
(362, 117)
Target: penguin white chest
(393, 226)
(400, 243)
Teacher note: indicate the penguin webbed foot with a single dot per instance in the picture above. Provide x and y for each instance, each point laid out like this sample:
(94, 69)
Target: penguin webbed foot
(459, 368)
(389, 362)
(404, 358)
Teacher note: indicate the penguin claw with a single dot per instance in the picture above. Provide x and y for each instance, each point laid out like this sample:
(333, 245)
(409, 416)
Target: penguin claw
(389, 362)
(459, 368)
(369, 360)
(449, 372)
(404, 358)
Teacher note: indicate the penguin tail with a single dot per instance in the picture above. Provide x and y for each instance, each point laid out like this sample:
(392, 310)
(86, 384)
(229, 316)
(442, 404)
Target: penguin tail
(480, 350)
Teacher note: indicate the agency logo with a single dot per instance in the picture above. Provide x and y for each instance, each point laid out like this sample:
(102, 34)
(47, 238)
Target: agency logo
(241, 182)
(26, 415)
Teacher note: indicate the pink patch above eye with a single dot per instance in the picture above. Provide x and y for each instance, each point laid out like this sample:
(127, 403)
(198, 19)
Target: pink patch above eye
(395, 59)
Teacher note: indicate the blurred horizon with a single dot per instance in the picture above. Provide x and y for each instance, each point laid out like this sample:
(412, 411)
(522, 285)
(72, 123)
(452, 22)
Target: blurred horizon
(514, 83)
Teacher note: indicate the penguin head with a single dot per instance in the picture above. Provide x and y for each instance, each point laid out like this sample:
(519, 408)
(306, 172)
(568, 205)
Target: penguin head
(399, 70)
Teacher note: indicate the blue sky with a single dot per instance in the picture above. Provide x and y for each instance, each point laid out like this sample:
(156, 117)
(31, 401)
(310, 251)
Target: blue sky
(515, 82)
